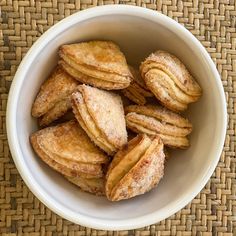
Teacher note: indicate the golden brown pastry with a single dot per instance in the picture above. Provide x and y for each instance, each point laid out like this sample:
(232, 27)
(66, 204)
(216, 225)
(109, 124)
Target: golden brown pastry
(95, 186)
(53, 99)
(97, 63)
(59, 110)
(135, 169)
(67, 149)
(169, 80)
(137, 91)
(156, 120)
(101, 114)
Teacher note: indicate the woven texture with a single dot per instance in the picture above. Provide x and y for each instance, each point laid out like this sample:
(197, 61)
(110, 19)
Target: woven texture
(213, 211)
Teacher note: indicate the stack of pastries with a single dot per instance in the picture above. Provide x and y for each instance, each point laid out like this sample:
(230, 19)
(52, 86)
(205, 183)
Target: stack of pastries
(96, 142)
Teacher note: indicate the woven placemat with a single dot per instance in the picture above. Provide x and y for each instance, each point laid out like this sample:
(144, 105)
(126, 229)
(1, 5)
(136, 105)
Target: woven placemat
(213, 211)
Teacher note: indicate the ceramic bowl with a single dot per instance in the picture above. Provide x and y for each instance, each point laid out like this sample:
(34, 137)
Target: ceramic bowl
(138, 32)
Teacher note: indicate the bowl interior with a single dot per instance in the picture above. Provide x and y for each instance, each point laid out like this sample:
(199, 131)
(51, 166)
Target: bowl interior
(137, 37)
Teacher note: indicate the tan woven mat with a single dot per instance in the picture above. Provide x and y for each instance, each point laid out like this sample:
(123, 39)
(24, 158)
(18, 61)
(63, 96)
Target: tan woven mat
(213, 211)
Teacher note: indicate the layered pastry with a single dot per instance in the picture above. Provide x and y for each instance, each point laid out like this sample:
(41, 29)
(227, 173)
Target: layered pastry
(97, 63)
(170, 81)
(90, 147)
(67, 149)
(101, 114)
(157, 120)
(53, 99)
(135, 169)
(95, 186)
(137, 91)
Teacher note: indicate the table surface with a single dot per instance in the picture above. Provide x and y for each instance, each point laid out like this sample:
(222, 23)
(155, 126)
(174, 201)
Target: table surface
(213, 211)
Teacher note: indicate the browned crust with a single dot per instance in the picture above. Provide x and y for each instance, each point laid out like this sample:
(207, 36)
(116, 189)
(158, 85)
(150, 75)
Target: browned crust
(94, 186)
(170, 141)
(69, 141)
(137, 79)
(143, 176)
(96, 74)
(87, 168)
(160, 77)
(123, 164)
(107, 111)
(142, 91)
(57, 166)
(134, 95)
(124, 151)
(57, 87)
(157, 126)
(100, 83)
(160, 113)
(59, 109)
(162, 94)
(87, 123)
(174, 68)
(137, 91)
(100, 55)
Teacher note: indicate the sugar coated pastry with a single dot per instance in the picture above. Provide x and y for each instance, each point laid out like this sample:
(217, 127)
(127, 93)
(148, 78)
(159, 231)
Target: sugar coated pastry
(137, 91)
(101, 114)
(170, 81)
(95, 186)
(97, 63)
(97, 144)
(53, 99)
(135, 169)
(157, 120)
(67, 149)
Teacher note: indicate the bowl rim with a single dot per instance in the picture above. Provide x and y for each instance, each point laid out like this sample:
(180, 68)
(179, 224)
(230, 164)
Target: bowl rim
(93, 222)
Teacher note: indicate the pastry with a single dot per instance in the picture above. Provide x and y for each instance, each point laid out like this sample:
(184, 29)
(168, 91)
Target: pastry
(100, 113)
(53, 99)
(108, 85)
(95, 186)
(97, 63)
(94, 121)
(156, 120)
(137, 91)
(169, 80)
(56, 112)
(67, 149)
(135, 169)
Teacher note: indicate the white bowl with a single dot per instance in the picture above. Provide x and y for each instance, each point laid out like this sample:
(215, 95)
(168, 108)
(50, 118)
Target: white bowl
(139, 32)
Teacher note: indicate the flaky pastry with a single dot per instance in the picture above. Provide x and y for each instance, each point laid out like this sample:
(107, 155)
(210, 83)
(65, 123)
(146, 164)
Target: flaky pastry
(67, 149)
(137, 91)
(101, 114)
(95, 186)
(97, 63)
(169, 80)
(156, 120)
(135, 169)
(53, 99)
